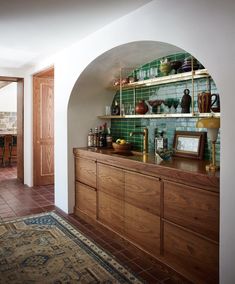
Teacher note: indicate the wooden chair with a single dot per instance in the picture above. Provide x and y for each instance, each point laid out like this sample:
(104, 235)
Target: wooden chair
(13, 148)
(2, 149)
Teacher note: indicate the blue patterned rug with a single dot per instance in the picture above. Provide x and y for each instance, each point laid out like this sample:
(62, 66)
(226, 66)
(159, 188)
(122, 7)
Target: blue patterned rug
(47, 249)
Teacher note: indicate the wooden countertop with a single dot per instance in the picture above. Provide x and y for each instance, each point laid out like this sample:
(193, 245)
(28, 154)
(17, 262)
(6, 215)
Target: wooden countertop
(184, 170)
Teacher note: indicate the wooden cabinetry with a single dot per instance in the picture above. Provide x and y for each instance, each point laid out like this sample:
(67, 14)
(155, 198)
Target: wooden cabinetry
(110, 180)
(143, 192)
(85, 171)
(85, 187)
(143, 228)
(110, 185)
(142, 211)
(191, 231)
(191, 255)
(155, 210)
(85, 199)
(193, 208)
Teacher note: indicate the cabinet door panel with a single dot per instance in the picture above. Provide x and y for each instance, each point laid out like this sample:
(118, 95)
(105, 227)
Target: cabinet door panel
(192, 208)
(85, 199)
(143, 192)
(111, 211)
(143, 228)
(111, 180)
(85, 171)
(191, 255)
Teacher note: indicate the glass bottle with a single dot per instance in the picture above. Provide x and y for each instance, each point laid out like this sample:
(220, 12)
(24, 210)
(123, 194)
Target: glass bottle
(115, 109)
(90, 138)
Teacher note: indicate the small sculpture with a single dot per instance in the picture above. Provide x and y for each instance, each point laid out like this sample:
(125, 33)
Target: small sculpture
(186, 101)
(165, 66)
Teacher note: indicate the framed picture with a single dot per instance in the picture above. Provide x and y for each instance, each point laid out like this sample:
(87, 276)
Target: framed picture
(189, 144)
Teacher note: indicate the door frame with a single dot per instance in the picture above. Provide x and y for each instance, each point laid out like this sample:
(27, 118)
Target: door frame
(20, 123)
(46, 73)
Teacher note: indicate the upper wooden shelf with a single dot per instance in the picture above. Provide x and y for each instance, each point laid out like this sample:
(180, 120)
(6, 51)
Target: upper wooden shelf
(161, 115)
(197, 74)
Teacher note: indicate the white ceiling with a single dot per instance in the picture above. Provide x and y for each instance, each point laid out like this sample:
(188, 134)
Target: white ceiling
(32, 30)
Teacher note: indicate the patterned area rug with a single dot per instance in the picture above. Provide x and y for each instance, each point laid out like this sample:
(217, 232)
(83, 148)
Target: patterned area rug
(47, 249)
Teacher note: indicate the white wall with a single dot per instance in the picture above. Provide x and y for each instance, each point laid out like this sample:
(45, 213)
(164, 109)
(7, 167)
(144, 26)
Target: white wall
(8, 98)
(203, 28)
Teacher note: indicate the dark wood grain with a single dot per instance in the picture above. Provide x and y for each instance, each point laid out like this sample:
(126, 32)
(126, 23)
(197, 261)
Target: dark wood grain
(110, 180)
(143, 228)
(85, 199)
(194, 257)
(192, 208)
(111, 211)
(143, 191)
(20, 130)
(43, 130)
(85, 171)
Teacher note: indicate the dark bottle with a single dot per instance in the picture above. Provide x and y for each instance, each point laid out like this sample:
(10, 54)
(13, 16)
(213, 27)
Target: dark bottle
(115, 109)
(101, 138)
(186, 102)
(104, 134)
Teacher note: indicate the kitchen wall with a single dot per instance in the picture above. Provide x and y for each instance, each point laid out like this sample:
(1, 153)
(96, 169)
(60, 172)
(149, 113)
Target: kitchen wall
(8, 106)
(8, 120)
(121, 128)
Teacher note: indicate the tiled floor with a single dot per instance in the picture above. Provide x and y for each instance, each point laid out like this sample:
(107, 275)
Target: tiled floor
(19, 200)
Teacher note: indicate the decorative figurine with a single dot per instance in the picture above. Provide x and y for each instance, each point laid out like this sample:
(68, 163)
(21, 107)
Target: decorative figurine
(186, 101)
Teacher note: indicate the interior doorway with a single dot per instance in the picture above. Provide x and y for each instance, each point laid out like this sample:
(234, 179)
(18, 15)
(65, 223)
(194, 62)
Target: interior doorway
(11, 127)
(43, 127)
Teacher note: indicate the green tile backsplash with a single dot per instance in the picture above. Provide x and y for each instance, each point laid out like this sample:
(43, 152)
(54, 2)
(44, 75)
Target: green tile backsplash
(121, 128)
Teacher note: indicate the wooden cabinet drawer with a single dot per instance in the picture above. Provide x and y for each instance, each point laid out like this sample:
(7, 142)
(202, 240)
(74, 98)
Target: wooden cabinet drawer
(111, 211)
(85, 199)
(191, 255)
(111, 180)
(143, 228)
(143, 192)
(85, 171)
(192, 208)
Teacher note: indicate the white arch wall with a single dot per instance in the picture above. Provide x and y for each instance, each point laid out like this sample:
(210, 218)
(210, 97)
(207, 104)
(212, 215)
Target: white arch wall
(203, 28)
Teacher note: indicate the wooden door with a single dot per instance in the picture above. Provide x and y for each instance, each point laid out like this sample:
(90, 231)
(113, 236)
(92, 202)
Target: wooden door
(43, 105)
(20, 132)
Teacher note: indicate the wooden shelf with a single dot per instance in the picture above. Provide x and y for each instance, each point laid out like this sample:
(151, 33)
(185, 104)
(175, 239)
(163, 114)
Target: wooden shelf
(197, 74)
(161, 115)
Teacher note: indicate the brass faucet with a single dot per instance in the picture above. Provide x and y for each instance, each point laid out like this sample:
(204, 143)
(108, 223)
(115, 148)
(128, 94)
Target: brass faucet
(145, 140)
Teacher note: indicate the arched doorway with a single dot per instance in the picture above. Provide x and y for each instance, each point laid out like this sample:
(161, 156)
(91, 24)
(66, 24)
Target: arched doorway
(92, 92)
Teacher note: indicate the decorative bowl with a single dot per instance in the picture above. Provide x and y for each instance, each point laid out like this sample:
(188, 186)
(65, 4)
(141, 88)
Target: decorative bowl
(175, 65)
(122, 148)
(188, 67)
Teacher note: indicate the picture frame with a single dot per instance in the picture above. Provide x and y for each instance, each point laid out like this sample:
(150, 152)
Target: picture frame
(189, 144)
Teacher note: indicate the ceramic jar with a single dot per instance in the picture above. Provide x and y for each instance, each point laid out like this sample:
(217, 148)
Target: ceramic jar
(205, 101)
(141, 107)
